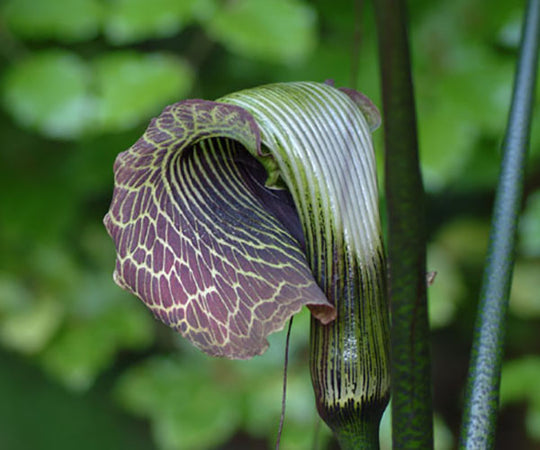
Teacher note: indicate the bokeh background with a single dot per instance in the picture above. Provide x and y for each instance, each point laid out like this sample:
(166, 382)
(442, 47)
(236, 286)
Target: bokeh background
(83, 364)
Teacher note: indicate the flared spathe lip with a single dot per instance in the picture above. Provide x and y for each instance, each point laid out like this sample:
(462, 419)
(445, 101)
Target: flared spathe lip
(199, 243)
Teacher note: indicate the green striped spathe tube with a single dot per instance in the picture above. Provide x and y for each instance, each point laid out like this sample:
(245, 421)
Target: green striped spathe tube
(321, 141)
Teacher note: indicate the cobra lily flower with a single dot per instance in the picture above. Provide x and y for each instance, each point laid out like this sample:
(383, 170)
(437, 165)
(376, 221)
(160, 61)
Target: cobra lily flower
(230, 216)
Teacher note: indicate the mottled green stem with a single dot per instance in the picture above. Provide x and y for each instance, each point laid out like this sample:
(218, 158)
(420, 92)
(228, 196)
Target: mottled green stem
(350, 356)
(411, 367)
(363, 436)
(482, 396)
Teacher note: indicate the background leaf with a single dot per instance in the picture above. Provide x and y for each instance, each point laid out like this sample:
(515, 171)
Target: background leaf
(279, 31)
(100, 325)
(50, 91)
(65, 20)
(529, 227)
(133, 87)
(136, 20)
(63, 96)
(189, 408)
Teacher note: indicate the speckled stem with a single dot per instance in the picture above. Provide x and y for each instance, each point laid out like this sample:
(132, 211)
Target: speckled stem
(482, 391)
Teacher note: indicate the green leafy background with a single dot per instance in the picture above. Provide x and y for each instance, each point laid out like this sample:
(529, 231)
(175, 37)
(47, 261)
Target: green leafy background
(84, 364)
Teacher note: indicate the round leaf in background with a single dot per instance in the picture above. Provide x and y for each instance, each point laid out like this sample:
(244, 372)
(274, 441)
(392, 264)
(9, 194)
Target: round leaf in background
(278, 31)
(50, 91)
(190, 406)
(63, 96)
(65, 20)
(136, 20)
(133, 86)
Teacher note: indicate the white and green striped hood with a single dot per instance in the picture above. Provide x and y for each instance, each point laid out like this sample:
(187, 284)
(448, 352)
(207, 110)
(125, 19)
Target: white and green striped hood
(230, 216)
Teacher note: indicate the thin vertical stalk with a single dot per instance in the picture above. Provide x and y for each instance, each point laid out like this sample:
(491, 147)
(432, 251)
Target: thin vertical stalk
(482, 398)
(411, 366)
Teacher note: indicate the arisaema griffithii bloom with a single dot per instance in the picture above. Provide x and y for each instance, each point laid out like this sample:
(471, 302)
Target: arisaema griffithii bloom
(230, 216)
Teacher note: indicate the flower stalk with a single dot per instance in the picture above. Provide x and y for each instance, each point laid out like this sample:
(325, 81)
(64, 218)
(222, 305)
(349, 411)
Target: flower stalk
(482, 390)
(412, 412)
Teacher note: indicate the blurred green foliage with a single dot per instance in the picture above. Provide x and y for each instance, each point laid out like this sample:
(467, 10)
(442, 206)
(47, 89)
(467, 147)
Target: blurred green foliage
(63, 96)
(79, 81)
